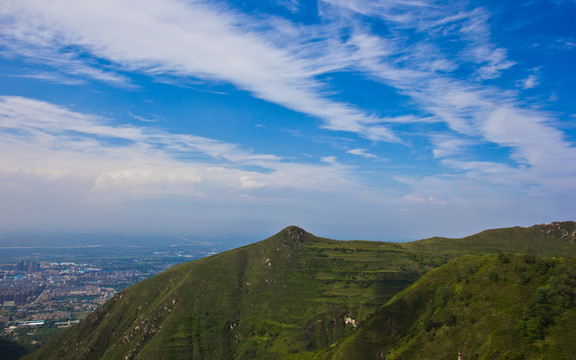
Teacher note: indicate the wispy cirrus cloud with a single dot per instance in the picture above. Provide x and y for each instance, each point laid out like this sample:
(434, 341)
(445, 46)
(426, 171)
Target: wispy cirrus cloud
(446, 24)
(50, 77)
(193, 39)
(529, 83)
(39, 50)
(362, 152)
(446, 146)
(475, 113)
(278, 61)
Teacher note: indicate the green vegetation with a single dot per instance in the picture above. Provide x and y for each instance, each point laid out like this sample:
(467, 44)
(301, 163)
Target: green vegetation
(11, 350)
(458, 310)
(550, 301)
(27, 340)
(298, 296)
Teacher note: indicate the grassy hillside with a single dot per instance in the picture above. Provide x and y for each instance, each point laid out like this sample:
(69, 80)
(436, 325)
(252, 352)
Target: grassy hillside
(288, 295)
(544, 240)
(497, 307)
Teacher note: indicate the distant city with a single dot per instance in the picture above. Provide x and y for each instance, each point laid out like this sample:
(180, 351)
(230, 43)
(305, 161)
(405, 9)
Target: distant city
(44, 290)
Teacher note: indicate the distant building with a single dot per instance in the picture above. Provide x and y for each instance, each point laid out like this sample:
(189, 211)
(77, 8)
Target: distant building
(31, 323)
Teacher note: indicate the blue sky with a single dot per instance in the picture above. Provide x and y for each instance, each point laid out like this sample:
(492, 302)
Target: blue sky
(383, 120)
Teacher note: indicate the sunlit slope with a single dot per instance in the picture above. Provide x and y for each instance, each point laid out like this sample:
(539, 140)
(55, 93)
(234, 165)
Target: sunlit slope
(292, 293)
(287, 294)
(548, 239)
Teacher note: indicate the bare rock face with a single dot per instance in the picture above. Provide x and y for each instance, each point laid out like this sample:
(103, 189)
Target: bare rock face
(296, 235)
(562, 230)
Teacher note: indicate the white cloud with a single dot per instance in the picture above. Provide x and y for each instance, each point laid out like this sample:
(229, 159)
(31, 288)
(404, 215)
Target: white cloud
(534, 141)
(418, 198)
(496, 61)
(55, 78)
(39, 51)
(441, 24)
(568, 44)
(494, 173)
(49, 141)
(449, 146)
(197, 40)
(529, 83)
(291, 5)
(190, 39)
(541, 160)
(475, 114)
(362, 152)
(61, 170)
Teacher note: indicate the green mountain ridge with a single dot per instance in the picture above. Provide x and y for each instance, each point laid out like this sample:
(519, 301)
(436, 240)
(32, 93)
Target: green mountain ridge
(295, 295)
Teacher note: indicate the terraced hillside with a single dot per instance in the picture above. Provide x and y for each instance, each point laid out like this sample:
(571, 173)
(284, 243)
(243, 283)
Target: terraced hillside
(496, 307)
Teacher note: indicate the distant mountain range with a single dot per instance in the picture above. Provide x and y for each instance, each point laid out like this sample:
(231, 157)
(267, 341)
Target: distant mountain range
(500, 294)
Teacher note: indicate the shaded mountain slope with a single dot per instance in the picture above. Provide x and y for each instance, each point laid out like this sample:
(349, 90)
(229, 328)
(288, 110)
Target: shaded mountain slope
(497, 307)
(292, 293)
